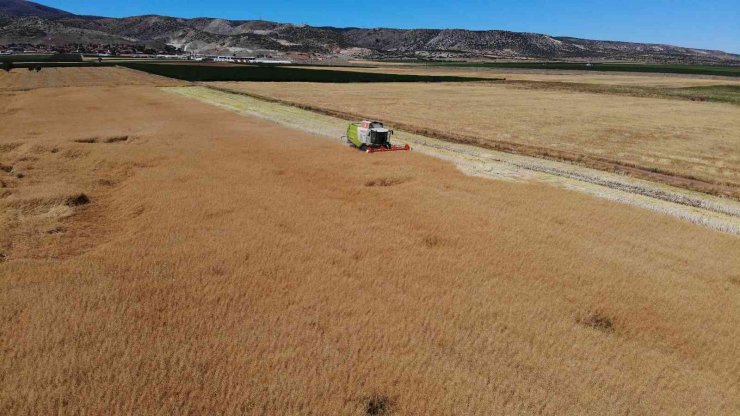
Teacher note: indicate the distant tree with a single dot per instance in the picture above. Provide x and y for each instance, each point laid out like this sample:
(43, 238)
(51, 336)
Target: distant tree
(7, 66)
(38, 68)
(30, 69)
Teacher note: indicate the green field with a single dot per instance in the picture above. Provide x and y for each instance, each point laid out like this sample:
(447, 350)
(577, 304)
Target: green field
(717, 93)
(730, 71)
(199, 72)
(721, 93)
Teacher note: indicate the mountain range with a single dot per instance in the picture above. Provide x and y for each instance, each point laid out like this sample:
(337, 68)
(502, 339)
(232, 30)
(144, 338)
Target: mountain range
(28, 22)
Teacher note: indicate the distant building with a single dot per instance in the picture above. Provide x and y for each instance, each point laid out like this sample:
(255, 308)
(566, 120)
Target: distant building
(237, 59)
(270, 61)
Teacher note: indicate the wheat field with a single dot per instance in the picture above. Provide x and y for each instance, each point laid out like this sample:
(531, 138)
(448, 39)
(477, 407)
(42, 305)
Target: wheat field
(681, 140)
(22, 79)
(164, 256)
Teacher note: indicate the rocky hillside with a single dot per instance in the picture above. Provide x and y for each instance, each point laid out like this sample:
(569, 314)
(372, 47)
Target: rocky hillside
(27, 22)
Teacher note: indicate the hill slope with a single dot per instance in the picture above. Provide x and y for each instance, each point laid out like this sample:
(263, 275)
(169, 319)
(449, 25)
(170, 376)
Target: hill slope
(28, 22)
(28, 8)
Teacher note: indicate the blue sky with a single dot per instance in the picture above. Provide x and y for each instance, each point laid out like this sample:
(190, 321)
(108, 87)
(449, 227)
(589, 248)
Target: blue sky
(701, 24)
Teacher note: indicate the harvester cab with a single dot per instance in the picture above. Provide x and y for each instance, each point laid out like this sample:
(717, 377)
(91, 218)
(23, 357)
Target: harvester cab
(371, 137)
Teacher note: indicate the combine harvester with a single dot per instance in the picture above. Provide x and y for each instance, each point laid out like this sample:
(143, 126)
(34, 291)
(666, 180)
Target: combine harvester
(371, 137)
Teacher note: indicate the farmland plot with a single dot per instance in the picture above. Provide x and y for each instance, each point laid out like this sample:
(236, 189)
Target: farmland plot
(691, 144)
(23, 79)
(171, 257)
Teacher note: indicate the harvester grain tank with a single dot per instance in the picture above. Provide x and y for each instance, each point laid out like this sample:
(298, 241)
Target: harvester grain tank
(371, 136)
